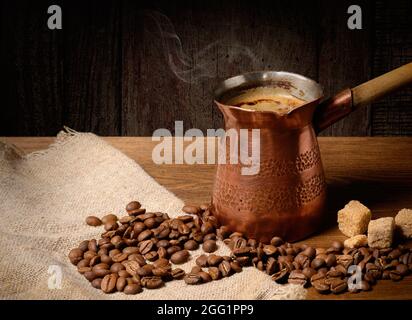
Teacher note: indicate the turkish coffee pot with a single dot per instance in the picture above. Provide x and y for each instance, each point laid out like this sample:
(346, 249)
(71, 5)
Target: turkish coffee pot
(287, 197)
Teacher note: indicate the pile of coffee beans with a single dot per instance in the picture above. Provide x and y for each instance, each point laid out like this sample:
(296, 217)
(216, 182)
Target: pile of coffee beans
(140, 250)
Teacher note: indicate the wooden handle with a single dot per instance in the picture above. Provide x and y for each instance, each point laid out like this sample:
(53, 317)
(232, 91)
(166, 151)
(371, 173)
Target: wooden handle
(378, 87)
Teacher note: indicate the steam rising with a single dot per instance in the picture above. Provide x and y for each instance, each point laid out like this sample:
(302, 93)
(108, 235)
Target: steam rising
(186, 68)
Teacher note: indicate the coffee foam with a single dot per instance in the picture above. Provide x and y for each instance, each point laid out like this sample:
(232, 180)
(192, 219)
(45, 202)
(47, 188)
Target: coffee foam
(272, 99)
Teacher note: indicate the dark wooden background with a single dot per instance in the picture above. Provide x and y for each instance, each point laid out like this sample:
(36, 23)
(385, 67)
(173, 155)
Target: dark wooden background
(109, 69)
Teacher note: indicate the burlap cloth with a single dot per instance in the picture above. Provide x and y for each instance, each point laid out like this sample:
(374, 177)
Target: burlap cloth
(44, 199)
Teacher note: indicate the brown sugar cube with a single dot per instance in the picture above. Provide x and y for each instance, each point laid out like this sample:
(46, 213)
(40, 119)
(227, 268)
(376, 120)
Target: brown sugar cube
(403, 222)
(380, 232)
(354, 218)
(357, 241)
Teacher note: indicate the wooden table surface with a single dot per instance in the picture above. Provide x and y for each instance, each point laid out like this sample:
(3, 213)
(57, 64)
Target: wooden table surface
(376, 171)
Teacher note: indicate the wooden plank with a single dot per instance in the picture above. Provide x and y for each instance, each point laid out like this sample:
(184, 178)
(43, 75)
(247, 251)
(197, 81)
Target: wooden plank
(393, 38)
(217, 41)
(344, 59)
(376, 171)
(92, 82)
(31, 64)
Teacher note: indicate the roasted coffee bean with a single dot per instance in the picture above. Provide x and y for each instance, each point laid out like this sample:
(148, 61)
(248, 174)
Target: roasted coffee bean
(144, 235)
(101, 266)
(183, 229)
(138, 258)
(177, 273)
(340, 268)
(121, 283)
(269, 250)
(317, 263)
(369, 277)
(185, 218)
(96, 283)
(373, 271)
(171, 250)
(214, 273)
(276, 241)
(180, 257)
(207, 228)
(223, 232)
(196, 269)
(271, 266)
(386, 275)
(111, 225)
(83, 269)
(364, 286)
(108, 283)
(402, 269)
(145, 246)
(123, 273)
(394, 254)
(280, 276)
(243, 261)
(303, 260)
(321, 286)
(162, 253)
(345, 260)
(92, 246)
(161, 263)
(297, 277)
(202, 260)
(130, 250)
(338, 286)
(209, 236)
(338, 246)
(151, 256)
(196, 235)
(209, 246)
(192, 278)
(191, 209)
(90, 275)
(109, 218)
(75, 256)
(162, 243)
(161, 271)
(132, 206)
(191, 245)
(120, 257)
(93, 221)
(245, 251)
(310, 252)
(296, 265)
(134, 279)
(84, 245)
(235, 266)
(151, 223)
(213, 260)
(260, 265)
(309, 272)
(144, 271)
(83, 263)
(205, 276)
(152, 282)
(225, 268)
(330, 260)
(116, 267)
(106, 259)
(89, 255)
(132, 288)
(101, 272)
